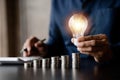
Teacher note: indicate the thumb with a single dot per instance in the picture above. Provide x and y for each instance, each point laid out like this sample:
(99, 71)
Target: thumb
(74, 41)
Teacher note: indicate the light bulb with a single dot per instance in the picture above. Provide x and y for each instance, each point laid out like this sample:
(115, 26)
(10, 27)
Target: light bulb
(78, 24)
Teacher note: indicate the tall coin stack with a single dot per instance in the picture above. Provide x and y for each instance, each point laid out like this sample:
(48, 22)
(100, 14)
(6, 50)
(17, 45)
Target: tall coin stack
(55, 62)
(65, 61)
(75, 60)
(45, 63)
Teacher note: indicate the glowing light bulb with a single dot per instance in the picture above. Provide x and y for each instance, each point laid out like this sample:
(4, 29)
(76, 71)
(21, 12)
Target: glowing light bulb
(78, 24)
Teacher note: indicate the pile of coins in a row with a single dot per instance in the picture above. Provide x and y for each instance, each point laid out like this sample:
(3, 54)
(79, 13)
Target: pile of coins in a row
(55, 62)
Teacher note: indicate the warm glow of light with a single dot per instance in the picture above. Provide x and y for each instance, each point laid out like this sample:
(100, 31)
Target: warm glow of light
(78, 24)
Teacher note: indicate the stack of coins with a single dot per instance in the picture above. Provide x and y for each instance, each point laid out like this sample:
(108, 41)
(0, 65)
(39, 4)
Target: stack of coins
(65, 61)
(45, 63)
(55, 62)
(75, 60)
(27, 65)
(37, 63)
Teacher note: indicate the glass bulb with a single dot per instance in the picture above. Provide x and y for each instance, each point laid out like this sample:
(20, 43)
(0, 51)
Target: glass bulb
(78, 24)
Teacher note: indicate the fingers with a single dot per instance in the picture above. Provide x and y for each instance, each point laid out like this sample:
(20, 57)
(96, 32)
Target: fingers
(86, 43)
(39, 45)
(32, 41)
(94, 54)
(28, 45)
(90, 49)
(92, 45)
(92, 37)
(96, 43)
(92, 40)
(27, 51)
(35, 47)
(95, 51)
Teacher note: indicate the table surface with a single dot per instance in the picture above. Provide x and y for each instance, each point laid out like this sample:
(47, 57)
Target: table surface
(87, 71)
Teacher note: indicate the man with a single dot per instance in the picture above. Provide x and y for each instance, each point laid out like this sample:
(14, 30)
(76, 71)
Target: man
(101, 41)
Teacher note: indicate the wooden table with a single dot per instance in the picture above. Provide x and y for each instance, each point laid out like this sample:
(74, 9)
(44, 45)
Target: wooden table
(88, 71)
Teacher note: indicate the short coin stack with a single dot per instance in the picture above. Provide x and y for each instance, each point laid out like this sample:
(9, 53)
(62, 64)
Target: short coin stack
(45, 63)
(37, 63)
(27, 65)
(75, 60)
(65, 61)
(55, 62)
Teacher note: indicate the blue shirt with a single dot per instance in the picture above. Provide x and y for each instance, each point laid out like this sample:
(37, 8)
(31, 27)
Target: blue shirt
(103, 14)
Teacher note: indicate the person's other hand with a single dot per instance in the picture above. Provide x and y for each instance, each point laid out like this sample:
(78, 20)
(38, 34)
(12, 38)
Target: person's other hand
(34, 47)
(94, 45)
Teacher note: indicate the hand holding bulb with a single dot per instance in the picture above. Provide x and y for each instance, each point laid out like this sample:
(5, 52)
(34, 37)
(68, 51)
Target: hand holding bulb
(93, 45)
